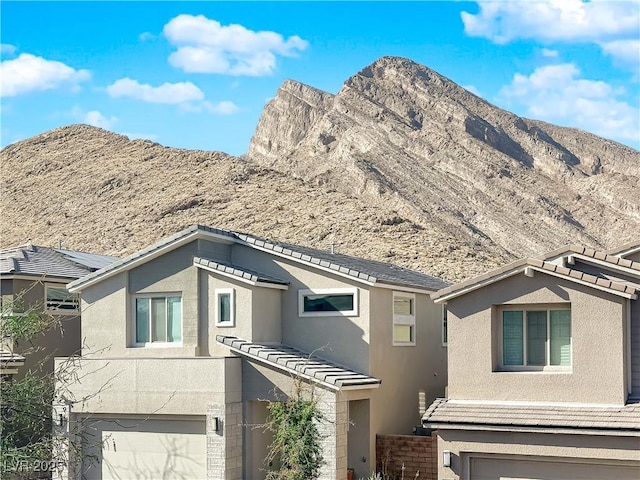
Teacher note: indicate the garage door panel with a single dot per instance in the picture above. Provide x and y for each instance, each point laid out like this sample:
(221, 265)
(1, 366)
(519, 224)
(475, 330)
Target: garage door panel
(521, 469)
(153, 449)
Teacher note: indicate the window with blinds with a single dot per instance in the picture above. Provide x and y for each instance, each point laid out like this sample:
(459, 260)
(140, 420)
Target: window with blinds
(158, 319)
(536, 337)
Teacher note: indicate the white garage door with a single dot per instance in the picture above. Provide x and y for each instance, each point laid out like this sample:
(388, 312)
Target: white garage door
(145, 449)
(503, 469)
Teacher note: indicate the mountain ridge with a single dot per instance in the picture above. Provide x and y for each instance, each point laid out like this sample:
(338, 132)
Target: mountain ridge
(401, 165)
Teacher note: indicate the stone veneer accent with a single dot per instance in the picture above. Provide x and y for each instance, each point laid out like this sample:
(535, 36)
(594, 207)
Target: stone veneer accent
(224, 448)
(333, 406)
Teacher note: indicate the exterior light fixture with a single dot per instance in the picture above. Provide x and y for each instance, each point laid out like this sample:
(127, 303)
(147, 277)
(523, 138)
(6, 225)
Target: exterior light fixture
(216, 424)
(446, 458)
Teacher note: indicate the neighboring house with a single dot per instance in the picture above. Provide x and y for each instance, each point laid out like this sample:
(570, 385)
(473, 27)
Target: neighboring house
(544, 370)
(35, 277)
(187, 339)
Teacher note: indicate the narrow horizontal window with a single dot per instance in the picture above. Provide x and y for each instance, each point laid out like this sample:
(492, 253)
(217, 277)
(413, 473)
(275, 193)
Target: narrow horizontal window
(328, 302)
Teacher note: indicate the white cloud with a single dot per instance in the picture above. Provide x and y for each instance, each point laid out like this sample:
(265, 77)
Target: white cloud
(547, 52)
(627, 51)
(596, 21)
(7, 49)
(553, 20)
(168, 93)
(96, 119)
(206, 46)
(222, 108)
(557, 94)
(473, 89)
(29, 73)
(146, 36)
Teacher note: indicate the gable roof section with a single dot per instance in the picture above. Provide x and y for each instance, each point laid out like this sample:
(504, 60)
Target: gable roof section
(449, 414)
(595, 257)
(528, 266)
(369, 272)
(33, 260)
(301, 364)
(240, 273)
(626, 249)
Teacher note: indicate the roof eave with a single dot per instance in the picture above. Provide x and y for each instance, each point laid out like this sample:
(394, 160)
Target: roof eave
(154, 251)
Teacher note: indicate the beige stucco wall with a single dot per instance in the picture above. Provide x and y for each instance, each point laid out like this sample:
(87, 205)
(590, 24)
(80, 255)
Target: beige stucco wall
(408, 373)
(598, 324)
(257, 311)
(540, 446)
(342, 339)
(105, 317)
(108, 305)
(151, 385)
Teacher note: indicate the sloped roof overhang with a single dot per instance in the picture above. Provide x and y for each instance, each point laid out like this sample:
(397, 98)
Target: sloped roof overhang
(301, 364)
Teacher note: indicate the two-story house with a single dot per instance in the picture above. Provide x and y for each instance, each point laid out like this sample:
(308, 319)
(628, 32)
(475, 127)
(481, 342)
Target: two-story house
(187, 339)
(34, 278)
(544, 370)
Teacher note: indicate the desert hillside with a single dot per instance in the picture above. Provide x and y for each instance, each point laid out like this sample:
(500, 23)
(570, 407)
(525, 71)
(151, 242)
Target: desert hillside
(402, 165)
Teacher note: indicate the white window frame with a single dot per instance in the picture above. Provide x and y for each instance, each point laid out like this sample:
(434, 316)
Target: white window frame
(60, 311)
(134, 320)
(445, 325)
(533, 368)
(404, 320)
(328, 291)
(232, 300)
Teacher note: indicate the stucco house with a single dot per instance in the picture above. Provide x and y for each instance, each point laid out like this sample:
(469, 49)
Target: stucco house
(544, 370)
(187, 339)
(35, 277)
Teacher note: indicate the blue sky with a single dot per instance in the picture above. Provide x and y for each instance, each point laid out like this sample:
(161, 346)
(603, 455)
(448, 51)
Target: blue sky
(198, 74)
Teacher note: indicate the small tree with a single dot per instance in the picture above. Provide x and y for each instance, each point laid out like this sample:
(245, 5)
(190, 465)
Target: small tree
(296, 438)
(29, 446)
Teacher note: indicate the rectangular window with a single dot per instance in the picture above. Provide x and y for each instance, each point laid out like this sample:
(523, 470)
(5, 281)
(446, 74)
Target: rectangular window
(404, 319)
(60, 300)
(158, 319)
(225, 307)
(536, 338)
(328, 302)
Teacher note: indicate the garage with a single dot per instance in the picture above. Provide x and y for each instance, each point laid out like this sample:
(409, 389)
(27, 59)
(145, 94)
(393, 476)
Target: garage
(124, 449)
(540, 469)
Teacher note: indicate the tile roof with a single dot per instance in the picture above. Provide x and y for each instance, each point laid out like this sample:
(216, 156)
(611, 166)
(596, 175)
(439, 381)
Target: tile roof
(595, 254)
(359, 268)
(44, 261)
(624, 289)
(239, 272)
(370, 271)
(300, 363)
(451, 414)
(627, 247)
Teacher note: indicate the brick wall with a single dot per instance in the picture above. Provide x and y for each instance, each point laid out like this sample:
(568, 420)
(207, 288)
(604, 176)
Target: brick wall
(416, 453)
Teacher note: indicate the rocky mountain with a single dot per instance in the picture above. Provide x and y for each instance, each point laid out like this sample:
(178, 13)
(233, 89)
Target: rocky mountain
(401, 165)
(400, 134)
